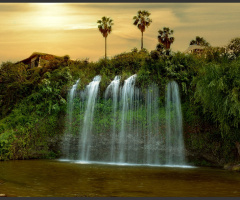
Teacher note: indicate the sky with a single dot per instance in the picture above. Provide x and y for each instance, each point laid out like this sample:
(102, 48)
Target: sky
(71, 28)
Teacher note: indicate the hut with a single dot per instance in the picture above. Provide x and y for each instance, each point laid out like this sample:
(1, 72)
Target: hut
(194, 48)
(38, 59)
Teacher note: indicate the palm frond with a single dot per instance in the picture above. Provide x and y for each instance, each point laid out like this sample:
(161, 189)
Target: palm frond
(105, 25)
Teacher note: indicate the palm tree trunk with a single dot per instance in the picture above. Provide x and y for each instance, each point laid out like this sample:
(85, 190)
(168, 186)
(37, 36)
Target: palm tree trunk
(167, 47)
(142, 41)
(105, 48)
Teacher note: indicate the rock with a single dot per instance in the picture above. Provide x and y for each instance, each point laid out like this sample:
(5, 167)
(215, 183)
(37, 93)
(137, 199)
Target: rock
(232, 167)
(3, 195)
(228, 166)
(236, 168)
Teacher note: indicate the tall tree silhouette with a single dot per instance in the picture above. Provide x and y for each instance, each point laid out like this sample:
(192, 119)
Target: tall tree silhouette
(105, 27)
(165, 39)
(142, 20)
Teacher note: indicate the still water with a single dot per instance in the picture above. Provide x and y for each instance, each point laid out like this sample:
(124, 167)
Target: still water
(46, 178)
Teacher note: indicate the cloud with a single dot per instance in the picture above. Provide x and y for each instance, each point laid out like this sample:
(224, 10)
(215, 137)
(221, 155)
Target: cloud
(14, 7)
(64, 28)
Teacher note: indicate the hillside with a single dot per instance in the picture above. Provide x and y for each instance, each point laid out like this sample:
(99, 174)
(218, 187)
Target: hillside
(34, 100)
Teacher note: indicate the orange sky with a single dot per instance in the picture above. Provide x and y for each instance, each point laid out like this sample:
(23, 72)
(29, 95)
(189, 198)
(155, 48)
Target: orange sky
(71, 28)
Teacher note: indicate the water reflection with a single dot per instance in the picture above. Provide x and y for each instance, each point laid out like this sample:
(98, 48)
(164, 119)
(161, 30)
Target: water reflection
(45, 178)
(124, 164)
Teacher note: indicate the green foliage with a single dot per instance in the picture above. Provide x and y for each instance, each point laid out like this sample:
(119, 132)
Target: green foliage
(217, 89)
(143, 77)
(128, 62)
(11, 72)
(35, 117)
(33, 101)
(6, 140)
(234, 46)
(14, 85)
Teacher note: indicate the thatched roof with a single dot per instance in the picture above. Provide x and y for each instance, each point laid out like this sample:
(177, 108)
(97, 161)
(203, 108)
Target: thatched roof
(44, 56)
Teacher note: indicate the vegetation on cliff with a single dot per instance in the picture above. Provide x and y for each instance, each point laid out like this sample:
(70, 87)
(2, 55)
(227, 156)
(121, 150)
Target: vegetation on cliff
(33, 100)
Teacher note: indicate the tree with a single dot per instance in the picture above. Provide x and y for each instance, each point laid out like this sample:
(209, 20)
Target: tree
(234, 46)
(160, 47)
(217, 88)
(142, 20)
(160, 51)
(199, 41)
(165, 39)
(105, 27)
(10, 72)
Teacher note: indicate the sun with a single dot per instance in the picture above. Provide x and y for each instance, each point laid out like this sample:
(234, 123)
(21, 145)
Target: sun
(50, 15)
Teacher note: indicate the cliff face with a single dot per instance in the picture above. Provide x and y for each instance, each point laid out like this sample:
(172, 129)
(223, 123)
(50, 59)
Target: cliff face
(206, 146)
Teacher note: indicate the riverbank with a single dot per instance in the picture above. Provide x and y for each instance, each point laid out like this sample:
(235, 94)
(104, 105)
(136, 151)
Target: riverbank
(232, 167)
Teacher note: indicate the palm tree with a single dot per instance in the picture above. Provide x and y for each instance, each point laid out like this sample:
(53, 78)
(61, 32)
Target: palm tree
(142, 20)
(105, 27)
(165, 39)
(200, 41)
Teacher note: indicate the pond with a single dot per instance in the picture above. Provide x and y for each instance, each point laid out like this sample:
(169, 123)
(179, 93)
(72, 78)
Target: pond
(54, 178)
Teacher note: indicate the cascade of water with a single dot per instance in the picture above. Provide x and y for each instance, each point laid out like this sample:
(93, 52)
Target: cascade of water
(152, 136)
(127, 92)
(68, 130)
(126, 125)
(91, 92)
(135, 129)
(174, 132)
(113, 88)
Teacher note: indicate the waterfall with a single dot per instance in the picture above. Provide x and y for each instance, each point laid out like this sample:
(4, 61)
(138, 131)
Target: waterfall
(174, 131)
(91, 92)
(135, 129)
(125, 126)
(68, 129)
(127, 93)
(152, 136)
(113, 88)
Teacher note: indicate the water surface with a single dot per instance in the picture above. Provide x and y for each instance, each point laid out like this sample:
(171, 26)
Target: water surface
(46, 178)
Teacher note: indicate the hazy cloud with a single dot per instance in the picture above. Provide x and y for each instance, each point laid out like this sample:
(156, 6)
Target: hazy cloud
(71, 28)
(14, 7)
